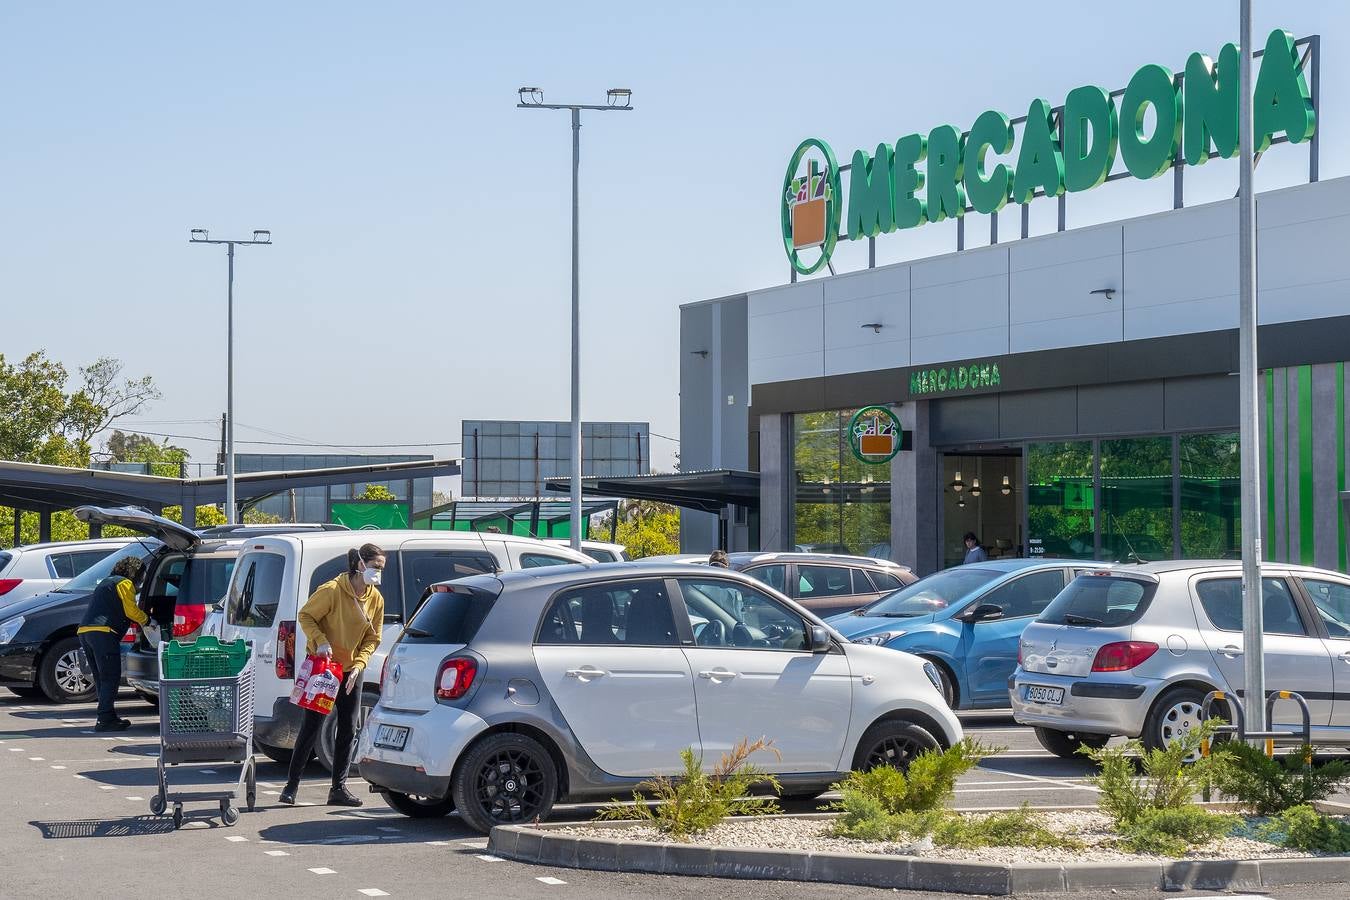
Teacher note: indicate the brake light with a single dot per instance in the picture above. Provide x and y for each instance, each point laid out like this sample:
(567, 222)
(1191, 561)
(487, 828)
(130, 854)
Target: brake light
(1019, 653)
(455, 677)
(1122, 656)
(286, 649)
(187, 618)
(130, 636)
(383, 670)
(9, 584)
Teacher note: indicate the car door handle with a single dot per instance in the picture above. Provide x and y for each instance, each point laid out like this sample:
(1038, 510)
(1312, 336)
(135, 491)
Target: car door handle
(1345, 657)
(586, 673)
(1231, 650)
(717, 674)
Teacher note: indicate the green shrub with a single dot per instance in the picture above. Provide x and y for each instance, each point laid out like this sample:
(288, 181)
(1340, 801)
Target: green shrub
(1270, 786)
(697, 801)
(928, 784)
(1173, 831)
(1304, 828)
(1168, 781)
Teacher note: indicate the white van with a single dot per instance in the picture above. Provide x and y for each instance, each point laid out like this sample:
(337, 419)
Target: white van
(275, 575)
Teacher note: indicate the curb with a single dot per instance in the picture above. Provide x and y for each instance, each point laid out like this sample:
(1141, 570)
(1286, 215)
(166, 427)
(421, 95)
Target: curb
(540, 845)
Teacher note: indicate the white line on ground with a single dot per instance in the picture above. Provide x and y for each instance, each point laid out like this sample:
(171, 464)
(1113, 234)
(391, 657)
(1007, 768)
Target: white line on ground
(488, 858)
(1009, 790)
(1041, 780)
(107, 787)
(137, 799)
(549, 879)
(273, 793)
(276, 853)
(82, 778)
(472, 845)
(323, 871)
(236, 838)
(37, 759)
(58, 768)
(15, 749)
(109, 738)
(980, 784)
(373, 892)
(73, 721)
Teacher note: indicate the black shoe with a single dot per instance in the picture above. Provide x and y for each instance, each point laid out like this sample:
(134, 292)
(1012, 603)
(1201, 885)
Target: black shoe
(288, 794)
(343, 797)
(114, 725)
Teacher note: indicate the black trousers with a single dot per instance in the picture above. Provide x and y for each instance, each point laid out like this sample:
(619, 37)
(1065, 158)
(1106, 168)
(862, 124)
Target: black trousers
(104, 652)
(345, 710)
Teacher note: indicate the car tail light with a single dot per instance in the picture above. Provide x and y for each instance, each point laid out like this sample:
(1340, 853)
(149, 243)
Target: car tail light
(1019, 653)
(1122, 656)
(187, 618)
(9, 584)
(384, 669)
(130, 636)
(286, 649)
(455, 677)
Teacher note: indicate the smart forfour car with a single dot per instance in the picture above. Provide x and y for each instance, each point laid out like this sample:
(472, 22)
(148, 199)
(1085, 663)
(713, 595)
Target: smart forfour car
(508, 693)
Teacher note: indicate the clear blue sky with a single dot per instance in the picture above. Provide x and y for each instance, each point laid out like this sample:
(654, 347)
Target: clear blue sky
(420, 270)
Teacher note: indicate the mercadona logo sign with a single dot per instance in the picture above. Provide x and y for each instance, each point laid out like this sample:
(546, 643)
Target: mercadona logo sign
(932, 177)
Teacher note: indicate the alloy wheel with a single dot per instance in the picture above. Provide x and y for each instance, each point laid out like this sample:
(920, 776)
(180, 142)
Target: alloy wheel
(896, 751)
(71, 676)
(1178, 721)
(509, 786)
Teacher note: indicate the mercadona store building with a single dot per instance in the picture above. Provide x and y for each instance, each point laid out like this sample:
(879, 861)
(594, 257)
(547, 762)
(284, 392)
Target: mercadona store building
(1070, 394)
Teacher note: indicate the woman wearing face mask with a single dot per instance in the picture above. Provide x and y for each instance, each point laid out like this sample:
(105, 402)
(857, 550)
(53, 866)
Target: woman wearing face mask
(341, 621)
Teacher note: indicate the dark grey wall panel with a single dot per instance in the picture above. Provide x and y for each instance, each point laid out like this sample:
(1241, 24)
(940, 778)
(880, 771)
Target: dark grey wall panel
(735, 384)
(1120, 408)
(1038, 414)
(964, 420)
(1194, 403)
(696, 379)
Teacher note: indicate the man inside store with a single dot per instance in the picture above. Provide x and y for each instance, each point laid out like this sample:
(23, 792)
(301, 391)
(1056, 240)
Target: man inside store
(974, 552)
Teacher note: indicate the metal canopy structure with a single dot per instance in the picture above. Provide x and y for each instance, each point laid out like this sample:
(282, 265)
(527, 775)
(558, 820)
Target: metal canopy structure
(709, 490)
(32, 487)
(527, 517)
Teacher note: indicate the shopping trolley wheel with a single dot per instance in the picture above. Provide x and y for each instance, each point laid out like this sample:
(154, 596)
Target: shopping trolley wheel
(228, 814)
(251, 785)
(178, 815)
(157, 805)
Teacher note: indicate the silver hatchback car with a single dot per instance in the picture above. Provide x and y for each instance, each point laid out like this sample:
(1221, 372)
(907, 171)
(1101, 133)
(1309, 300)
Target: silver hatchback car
(1133, 651)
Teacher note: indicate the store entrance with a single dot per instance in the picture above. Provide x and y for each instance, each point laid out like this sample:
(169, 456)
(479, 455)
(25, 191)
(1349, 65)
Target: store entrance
(982, 493)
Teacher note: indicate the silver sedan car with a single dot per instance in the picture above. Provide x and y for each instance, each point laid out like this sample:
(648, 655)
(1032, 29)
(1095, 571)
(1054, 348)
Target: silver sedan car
(1132, 651)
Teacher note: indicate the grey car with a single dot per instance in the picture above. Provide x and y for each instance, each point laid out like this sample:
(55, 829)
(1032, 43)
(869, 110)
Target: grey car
(1134, 650)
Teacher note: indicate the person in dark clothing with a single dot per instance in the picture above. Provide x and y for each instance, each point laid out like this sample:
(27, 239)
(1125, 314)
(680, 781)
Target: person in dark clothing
(719, 559)
(112, 609)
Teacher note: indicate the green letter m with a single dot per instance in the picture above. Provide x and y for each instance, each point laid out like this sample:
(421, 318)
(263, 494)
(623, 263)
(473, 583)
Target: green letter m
(871, 193)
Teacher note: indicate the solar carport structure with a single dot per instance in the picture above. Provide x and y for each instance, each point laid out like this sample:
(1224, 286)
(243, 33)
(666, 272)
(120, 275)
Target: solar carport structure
(31, 487)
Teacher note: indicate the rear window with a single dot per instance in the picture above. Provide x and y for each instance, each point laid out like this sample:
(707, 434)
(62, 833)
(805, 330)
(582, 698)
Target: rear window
(1100, 601)
(450, 617)
(255, 595)
(5, 559)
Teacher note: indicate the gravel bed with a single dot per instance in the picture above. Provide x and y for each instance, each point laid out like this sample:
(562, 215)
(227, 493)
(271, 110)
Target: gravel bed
(1092, 829)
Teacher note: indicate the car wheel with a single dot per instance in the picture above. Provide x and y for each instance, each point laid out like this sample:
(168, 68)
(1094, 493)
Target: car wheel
(419, 807)
(276, 754)
(1174, 714)
(62, 674)
(1065, 744)
(326, 746)
(948, 688)
(893, 743)
(28, 693)
(504, 779)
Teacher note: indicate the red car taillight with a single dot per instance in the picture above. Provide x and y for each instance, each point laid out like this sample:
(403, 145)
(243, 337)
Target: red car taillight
(455, 677)
(130, 636)
(9, 584)
(187, 618)
(286, 649)
(384, 669)
(1122, 656)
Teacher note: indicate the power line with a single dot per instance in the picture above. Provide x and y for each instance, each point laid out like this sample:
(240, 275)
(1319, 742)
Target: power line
(664, 436)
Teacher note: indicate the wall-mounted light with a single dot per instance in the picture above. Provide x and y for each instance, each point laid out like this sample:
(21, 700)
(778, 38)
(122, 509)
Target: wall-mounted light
(1109, 292)
(875, 326)
(1007, 486)
(957, 484)
(702, 353)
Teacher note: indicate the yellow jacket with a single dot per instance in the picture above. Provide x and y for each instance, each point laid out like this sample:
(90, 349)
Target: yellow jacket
(126, 592)
(335, 616)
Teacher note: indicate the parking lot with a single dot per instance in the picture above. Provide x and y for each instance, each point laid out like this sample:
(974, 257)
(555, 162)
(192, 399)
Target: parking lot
(77, 804)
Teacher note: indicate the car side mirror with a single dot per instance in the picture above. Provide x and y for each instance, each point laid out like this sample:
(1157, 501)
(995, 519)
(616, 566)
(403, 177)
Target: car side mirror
(984, 613)
(820, 639)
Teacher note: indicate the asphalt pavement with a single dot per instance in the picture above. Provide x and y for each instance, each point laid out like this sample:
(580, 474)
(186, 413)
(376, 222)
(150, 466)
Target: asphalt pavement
(76, 822)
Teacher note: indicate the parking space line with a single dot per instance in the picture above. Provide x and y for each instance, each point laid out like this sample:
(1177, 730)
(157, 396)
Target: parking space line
(549, 879)
(373, 892)
(276, 853)
(236, 838)
(323, 871)
(107, 787)
(37, 759)
(485, 857)
(1042, 780)
(58, 768)
(137, 799)
(1009, 790)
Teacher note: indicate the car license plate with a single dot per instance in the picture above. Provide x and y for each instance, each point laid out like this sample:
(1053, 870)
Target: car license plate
(1039, 694)
(391, 737)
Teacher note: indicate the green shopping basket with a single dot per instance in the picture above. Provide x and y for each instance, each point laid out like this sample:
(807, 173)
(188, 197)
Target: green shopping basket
(206, 657)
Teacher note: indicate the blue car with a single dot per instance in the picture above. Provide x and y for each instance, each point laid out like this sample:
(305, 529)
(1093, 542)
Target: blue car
(967, 620)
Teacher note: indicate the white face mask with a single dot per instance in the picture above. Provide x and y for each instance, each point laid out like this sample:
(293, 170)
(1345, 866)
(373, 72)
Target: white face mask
(372, 575)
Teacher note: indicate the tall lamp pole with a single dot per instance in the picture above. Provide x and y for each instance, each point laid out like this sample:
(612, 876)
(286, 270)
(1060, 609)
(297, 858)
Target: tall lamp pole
(201, 236)
(1254, 670)
(618, 99)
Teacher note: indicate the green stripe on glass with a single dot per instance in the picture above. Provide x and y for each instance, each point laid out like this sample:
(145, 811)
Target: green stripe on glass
(1340, 460)
(1270, 462)
(1284, 464)
(1306, 548)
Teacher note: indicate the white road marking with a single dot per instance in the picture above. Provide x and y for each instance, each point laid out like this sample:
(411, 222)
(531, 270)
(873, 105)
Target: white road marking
(472, 845)
(488, 858)
(73, 721)
(137, 799)
(109, 739)
(323, 871)
(107, 787)
(981, 784)
(236, 838)
(58, 768)
(82, 778)
(447, 844)
(304, 803)
(549, 879)
(36, 759)
(373, 892)
(197, 824)
(1009, 790)
(1041, 780)
(273, 793)
(15, 749)
(276, 853)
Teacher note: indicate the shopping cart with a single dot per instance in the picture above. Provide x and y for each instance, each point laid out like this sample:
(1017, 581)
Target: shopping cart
(205, 719)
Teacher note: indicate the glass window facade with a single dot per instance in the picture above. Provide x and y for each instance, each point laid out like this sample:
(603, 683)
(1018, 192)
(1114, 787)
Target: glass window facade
(1136, 499)
(1210, 490)
(840, 504)
(1060, 500)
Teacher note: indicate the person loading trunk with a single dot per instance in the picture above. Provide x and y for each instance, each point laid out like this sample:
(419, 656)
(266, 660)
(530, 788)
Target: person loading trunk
(112, 609)
(341, 621)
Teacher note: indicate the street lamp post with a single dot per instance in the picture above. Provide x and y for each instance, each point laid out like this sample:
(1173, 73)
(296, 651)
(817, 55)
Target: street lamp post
(201, 236)
(618, 99)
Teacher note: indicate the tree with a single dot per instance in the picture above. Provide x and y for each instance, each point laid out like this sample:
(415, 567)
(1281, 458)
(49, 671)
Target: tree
(647, 528)
(161, 459)
(375, 492)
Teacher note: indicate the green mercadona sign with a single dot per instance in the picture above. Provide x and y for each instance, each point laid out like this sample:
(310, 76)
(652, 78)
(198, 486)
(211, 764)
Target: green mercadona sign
(932, 177)
(973, 377)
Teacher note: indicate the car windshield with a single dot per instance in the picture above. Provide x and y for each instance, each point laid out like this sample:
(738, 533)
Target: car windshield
(90, 577)
(932, 594)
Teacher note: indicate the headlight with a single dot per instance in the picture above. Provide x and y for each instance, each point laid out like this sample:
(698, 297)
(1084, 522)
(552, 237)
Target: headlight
(931, 671)
(9, 628)
(881, 637)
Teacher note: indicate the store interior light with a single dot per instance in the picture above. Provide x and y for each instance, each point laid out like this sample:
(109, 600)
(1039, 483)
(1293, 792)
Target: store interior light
(1007, 486)
(975, 487)
(957, 484)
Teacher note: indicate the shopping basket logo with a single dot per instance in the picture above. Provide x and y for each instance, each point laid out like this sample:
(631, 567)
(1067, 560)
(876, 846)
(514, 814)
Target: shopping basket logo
(810, 205)
(874, 434)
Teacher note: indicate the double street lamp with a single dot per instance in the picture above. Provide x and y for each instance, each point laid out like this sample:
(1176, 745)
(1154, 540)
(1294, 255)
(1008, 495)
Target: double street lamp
(202, 236)
(617, 100)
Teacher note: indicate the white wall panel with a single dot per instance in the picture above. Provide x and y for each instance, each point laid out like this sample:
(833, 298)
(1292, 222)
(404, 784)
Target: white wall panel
(1181, 272)
(1051, 303)
(786, 333)
(959, 305)
(851, 301)
(1303, 262)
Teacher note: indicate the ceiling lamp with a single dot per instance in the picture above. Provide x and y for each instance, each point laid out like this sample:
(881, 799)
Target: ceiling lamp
(975, 488)
(1007, 486)
(957, 484)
